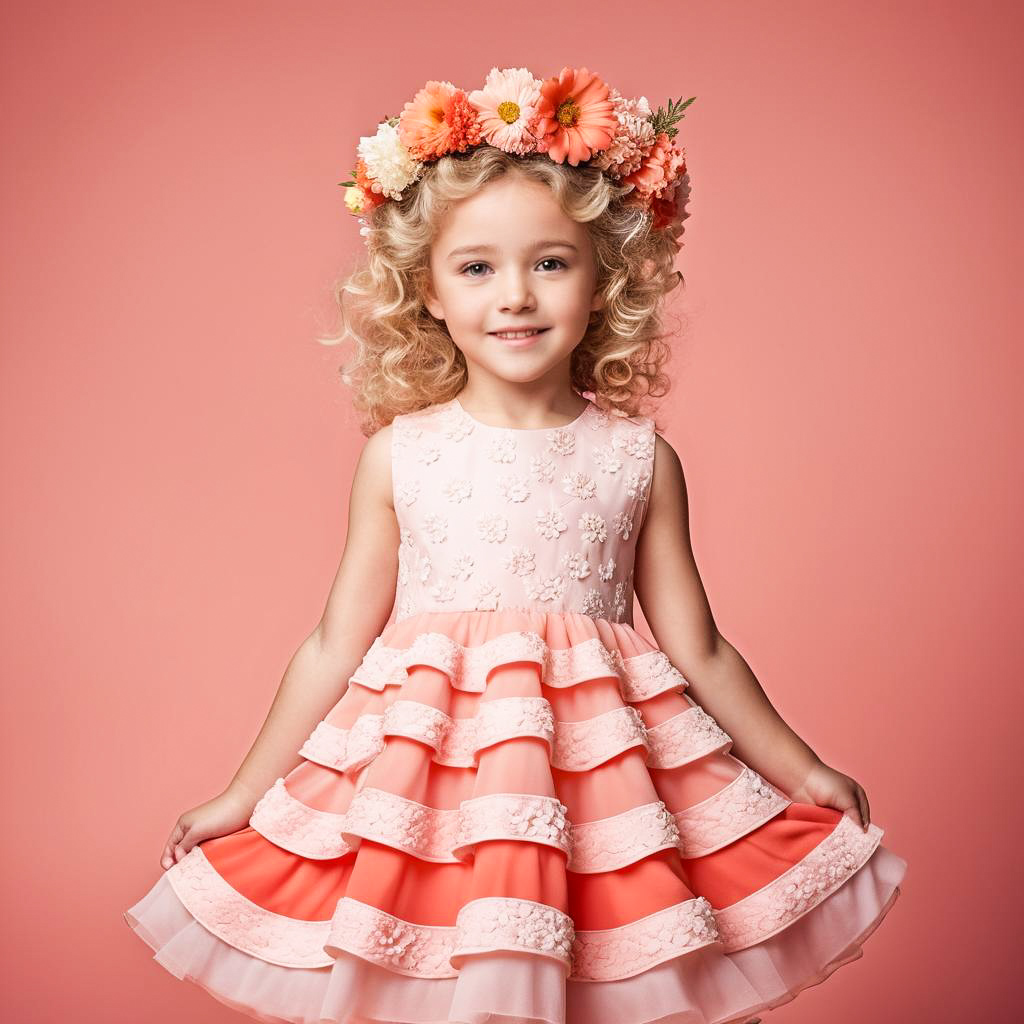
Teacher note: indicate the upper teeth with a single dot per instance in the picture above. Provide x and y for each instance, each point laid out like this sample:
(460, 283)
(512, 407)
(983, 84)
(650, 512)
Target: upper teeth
(517, 334)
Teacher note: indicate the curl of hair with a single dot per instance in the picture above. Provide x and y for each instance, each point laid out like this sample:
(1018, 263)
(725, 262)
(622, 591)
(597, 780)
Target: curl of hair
(405, 360)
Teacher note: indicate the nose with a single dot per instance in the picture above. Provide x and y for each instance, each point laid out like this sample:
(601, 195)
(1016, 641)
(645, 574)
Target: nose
(516, 293)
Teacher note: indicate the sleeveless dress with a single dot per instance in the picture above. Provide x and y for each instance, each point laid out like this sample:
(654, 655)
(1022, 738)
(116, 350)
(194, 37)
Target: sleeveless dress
(516, 812)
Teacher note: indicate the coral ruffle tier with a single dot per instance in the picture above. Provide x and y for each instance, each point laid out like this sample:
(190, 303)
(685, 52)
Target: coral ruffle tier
(519, 816)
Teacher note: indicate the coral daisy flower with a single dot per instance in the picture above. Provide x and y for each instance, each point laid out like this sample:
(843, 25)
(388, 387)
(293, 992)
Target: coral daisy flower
(507, 107)
(438, 120)
(576, 118)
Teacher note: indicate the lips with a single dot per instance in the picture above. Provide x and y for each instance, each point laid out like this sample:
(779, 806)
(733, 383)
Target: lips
(514, 331)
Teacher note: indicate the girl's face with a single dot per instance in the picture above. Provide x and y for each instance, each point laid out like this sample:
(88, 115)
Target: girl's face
(510, 258)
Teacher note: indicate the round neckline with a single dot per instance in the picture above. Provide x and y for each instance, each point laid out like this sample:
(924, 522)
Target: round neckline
(523, 430)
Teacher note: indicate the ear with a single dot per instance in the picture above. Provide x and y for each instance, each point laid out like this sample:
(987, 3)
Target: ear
(597, 302)
(430, 300)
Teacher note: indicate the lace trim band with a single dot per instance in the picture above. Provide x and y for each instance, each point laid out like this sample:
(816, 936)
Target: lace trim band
(504, 923)
(641, 675)
(448, 835)
(573, 746)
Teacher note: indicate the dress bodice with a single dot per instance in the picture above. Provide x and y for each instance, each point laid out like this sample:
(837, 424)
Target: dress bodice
(539, 519)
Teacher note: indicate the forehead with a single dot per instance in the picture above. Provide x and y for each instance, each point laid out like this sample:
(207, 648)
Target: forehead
(508, 213)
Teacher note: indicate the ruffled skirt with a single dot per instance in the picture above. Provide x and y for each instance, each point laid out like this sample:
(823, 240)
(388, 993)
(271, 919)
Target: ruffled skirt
(519, 817)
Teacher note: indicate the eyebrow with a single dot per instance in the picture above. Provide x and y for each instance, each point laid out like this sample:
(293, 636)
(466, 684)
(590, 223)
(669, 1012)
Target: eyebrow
(465, 250)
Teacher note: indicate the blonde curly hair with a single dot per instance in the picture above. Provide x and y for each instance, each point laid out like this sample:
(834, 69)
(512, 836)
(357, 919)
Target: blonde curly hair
(404, 358)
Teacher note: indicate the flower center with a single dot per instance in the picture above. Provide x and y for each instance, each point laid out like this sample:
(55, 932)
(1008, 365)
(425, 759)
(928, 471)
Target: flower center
(568, 113)
(508, 112)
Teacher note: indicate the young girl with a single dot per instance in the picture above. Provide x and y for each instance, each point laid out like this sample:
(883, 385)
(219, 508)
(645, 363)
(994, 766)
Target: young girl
(480, 794)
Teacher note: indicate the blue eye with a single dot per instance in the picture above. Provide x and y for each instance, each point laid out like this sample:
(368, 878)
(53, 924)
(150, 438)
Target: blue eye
(469, 266)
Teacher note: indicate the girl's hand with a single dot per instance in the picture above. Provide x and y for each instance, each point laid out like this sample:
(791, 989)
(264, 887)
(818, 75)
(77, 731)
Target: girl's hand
(826, 787)
(228, 812)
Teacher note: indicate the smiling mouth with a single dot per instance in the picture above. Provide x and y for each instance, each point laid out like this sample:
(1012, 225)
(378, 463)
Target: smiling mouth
(519, 335)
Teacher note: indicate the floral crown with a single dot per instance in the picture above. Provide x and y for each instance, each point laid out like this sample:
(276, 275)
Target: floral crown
(573, 117)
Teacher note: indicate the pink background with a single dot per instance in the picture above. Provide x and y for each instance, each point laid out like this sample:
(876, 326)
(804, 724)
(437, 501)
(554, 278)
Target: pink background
(177, 449)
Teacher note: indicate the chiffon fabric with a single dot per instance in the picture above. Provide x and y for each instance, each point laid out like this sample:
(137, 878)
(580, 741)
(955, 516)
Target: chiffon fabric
(515, 812)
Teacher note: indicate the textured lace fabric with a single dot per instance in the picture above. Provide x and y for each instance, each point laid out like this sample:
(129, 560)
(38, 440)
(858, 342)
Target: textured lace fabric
(499, 518)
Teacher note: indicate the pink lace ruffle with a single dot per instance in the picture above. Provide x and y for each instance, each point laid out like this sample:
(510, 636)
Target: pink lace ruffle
(641, 676)
(448, 835)
(426, 951)
(573, 746)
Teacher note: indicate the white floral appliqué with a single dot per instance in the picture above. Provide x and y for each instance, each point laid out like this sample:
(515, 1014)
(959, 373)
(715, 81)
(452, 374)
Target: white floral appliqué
(502, 448)
(548, 589)
(436, 527)
(521, 561)
(593, 527)
(543, 468)
(622, 523)
(580, 485)
(457, 489)
(408, 491)
(487, 597)
(550, 523)
(462, 567)
(492, 527)
(561, 441)
(514, 488)
(576, 566)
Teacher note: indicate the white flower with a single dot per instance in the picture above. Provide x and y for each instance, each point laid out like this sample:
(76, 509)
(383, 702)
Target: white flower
(550, 523)
(576, 566)
(503, 448)
(487, 597)
(548, 589)
(437, 527)
(622, 523)
(606, 459)
(455, 426)
(521, 561)
(639, 444)
(462, 567)
(409, 491)
(579, 484)
(543, 468)
(606, 571)
(561, 441)
(425, 568)
(593, 603)
(515, 488)
(493, 527)
(593, 527)
(428, 452)
(636, 484)
(388, 162)
(457, 489)
(442, 591)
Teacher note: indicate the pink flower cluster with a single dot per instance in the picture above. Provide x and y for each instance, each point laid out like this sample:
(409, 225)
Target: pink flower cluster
(573, 117)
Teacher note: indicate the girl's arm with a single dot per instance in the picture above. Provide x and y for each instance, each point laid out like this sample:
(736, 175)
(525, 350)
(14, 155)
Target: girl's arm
(676, 607)
(358, 607)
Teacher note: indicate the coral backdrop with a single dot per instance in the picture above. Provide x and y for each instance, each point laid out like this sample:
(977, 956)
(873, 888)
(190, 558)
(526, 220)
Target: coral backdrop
(177, 450)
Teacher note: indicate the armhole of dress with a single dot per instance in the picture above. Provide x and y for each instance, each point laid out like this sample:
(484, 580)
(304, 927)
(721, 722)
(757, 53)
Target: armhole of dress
(640, 507)
(394, 475)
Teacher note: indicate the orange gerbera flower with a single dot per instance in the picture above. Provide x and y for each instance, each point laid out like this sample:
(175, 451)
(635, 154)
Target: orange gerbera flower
(439, 119)
(575, 116)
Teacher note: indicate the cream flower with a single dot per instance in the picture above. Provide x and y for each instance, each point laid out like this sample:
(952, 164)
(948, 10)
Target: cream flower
(388, 162)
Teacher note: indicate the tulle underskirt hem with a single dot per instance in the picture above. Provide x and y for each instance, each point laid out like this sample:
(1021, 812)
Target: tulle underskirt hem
(703, 986)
